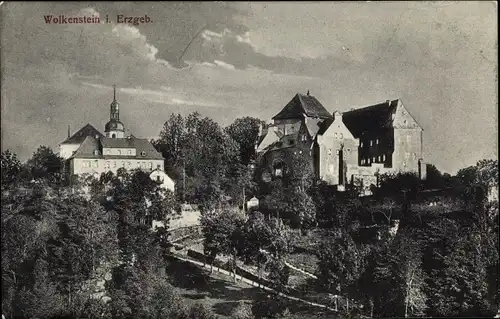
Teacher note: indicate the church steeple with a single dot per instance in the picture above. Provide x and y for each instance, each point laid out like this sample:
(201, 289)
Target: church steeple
(114, 128)
(114, 113)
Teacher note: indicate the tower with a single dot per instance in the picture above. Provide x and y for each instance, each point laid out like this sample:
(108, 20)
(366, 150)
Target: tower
(114, 128)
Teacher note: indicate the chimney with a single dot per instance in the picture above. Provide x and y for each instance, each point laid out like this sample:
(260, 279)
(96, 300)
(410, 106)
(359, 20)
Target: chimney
(337, 115)
(69, 134)
(307, 92)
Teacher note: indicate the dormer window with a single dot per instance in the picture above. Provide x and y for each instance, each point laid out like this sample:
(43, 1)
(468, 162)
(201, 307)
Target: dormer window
(329, 152)
(341, 136)
(143, 153)
(335, 135)
(96, 152)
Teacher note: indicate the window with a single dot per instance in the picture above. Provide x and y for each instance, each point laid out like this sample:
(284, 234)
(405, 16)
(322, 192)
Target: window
(144, 164)
(300, 152)
(143, 153)
(330, 152)
(158, 178)
(292, 142)
(107, 164)
(129, 152)
(383, 157)
(341, 135)
(348, 149)
(119, 152)
(96, 152)
(96, 164)
(335, 135)
(371, 143)
(373, 159)
(337, 152)
(138, 164)
(158, 166)
(123, 164)
(361, 145)
(376, 141)
(129, 164)
(113, 135)
(114, 164)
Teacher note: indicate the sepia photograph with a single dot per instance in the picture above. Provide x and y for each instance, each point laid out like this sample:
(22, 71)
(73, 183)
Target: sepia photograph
(241, 160)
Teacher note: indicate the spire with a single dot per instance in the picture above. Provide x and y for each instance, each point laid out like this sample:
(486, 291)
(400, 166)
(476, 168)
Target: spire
(69, 134)
(114, 92)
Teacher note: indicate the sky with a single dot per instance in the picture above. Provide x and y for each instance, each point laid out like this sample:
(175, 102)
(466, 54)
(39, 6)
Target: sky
(229, 60)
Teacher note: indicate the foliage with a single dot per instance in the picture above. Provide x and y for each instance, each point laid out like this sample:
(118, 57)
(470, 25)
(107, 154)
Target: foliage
(11, 167)
(199, 153)
(242, 311)
(340, 263)
(223, 232)
(245, 131)
(44, 164)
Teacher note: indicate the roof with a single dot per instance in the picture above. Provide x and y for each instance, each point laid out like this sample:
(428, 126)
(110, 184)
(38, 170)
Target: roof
(142, 146)
(286, 141)
(87, 148)
(79, 136)
(366, 119)
(300, 105)
(370, 118)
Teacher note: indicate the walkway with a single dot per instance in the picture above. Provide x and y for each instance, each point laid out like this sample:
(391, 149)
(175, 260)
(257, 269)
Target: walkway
(250, 282)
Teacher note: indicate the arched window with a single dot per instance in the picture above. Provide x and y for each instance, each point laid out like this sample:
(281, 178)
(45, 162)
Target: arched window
(119, 152)
(113, 135)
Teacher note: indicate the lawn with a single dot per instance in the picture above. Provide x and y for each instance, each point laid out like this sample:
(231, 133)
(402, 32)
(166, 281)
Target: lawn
(220, 293)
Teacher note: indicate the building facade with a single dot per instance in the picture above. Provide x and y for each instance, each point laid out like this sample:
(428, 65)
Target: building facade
(90, 152)
(352, 147)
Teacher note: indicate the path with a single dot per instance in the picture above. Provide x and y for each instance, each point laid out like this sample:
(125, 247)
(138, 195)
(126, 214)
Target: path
(252, 283)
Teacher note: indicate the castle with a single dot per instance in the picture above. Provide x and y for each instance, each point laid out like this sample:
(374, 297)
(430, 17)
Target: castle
(88, 151)
(352, 147)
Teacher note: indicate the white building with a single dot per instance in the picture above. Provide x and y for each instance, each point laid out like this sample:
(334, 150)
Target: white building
(88, 151)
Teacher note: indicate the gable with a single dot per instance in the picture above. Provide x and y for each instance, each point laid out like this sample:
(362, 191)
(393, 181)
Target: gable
(403, 118)
(338, 129)
(269, 139)
(84, 132)
(87, 149)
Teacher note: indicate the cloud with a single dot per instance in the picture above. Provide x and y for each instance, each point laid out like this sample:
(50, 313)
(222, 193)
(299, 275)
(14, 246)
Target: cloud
(250, 60)
(224, 65)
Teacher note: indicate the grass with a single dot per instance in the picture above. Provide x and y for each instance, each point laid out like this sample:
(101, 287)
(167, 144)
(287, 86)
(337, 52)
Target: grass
(222, 294)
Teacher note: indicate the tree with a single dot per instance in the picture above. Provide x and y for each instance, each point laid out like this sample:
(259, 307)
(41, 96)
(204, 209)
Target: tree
(340, 263)
(299, 170)
(245, 131)
(44, 164)
(264, 240)
(223, 232)
(11, 167)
